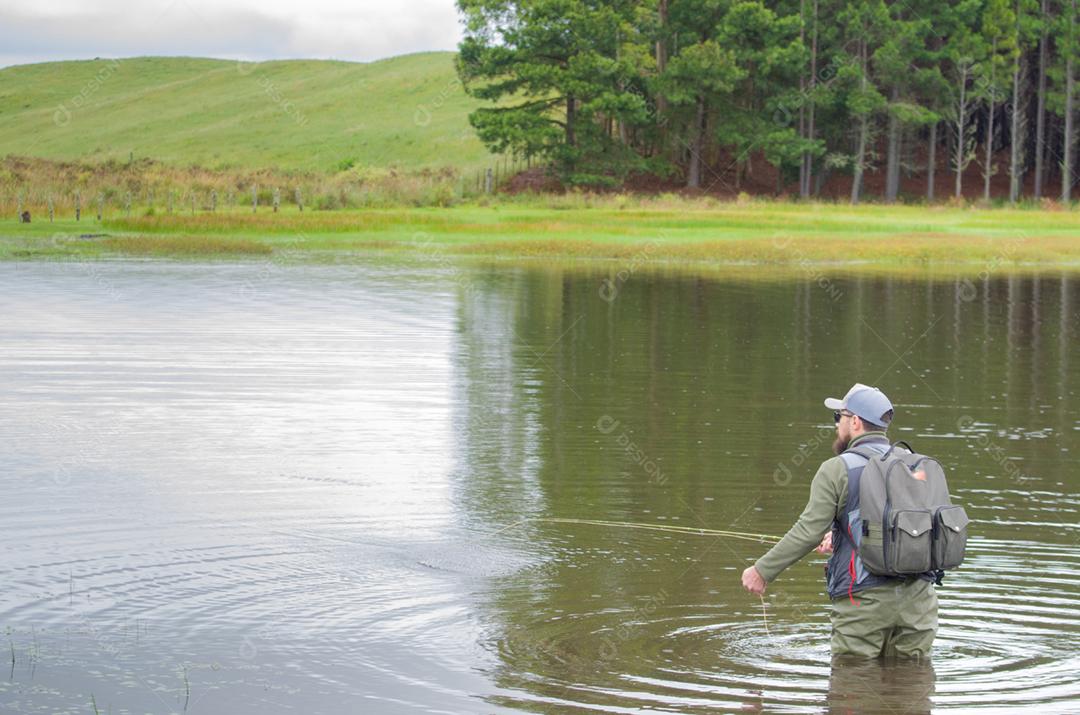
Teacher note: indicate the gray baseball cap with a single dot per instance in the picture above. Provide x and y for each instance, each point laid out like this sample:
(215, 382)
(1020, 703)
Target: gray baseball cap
(867, 402)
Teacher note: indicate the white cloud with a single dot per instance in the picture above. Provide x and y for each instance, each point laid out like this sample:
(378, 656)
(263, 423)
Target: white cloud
(360, 30)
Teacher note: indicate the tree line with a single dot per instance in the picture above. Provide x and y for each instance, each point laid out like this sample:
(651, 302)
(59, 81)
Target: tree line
(706, 90)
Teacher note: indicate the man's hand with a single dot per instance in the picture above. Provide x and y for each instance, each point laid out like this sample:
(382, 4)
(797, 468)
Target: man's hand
(825, 547)
(752, 581)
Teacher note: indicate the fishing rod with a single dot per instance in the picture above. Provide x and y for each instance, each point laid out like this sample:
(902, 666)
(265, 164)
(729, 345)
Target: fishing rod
(671, 528)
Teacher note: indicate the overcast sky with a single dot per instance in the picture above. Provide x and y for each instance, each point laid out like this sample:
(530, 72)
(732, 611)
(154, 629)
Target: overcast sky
(46, 30)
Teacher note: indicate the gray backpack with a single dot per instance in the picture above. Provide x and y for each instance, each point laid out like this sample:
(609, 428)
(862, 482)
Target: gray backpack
(909, 524)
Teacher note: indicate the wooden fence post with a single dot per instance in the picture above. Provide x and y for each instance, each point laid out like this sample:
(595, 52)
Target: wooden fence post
(299, 200)
(254, 197)
(51, 207)
(78, 206)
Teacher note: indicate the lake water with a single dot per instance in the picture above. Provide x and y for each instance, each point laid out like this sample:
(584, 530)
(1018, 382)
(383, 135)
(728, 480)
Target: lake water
(257, 488)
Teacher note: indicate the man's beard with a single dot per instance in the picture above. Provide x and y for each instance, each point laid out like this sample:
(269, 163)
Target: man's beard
(840, 444)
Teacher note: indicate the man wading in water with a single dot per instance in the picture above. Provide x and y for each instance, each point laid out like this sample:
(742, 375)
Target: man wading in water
(871, 615)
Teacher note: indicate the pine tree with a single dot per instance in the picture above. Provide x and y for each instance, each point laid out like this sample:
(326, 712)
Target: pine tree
(863, 21)
(999, 36)
(535, 56)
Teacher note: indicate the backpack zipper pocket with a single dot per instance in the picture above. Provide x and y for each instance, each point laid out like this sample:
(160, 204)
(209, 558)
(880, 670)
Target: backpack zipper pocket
(911, 540)
(950, 536)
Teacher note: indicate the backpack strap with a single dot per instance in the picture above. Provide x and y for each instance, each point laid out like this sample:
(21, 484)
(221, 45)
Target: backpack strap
(894, 445)
(855, 460)
(864, 452)
(867, 452)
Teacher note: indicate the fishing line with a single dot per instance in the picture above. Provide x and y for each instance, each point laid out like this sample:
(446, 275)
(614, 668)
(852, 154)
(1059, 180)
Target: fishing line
(671, 528)
(764, 615)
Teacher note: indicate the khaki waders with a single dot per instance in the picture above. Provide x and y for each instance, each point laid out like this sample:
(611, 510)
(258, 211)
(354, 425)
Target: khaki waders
(892, 620)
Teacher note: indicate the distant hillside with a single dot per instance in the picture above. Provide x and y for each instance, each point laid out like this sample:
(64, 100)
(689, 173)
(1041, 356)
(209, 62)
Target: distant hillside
(409, 112)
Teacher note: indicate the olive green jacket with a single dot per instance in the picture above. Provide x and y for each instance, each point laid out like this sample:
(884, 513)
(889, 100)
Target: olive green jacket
(828, 498)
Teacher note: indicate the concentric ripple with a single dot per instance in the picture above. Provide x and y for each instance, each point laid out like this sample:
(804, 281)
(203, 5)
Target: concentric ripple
(1009, 623)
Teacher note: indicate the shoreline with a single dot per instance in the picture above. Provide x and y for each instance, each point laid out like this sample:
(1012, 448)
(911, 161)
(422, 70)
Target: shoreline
(675, 233)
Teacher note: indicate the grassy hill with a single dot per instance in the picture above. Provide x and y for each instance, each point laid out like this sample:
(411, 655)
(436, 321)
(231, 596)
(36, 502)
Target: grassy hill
(408, 112)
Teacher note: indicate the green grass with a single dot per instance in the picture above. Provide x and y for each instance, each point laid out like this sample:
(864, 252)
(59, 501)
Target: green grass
(575, 227)
(408, 111)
